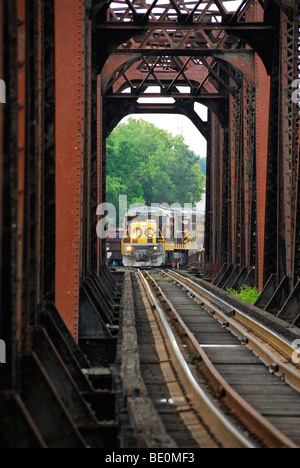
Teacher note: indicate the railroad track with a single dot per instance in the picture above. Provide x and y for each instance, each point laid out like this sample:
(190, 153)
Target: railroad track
(220, 392)
(268, 342)
(224, 341)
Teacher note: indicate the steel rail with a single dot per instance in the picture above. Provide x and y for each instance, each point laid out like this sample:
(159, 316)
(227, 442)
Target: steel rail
(245, 412)
(147, 425)
(219, 424)
(273, 349)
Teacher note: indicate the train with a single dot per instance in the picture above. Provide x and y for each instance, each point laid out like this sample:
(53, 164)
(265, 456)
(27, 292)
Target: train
(155, 236)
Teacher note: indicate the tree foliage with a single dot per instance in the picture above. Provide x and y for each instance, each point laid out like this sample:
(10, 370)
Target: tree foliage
(202, 164)
(150, 165)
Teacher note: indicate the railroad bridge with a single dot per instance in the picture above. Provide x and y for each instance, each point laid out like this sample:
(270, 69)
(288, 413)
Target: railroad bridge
(71, 70)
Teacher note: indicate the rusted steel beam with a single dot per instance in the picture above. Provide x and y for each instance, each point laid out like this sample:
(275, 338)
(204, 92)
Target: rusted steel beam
(216, 191)
(69, 138)
(232, 192)
(101, 172)
(296, 272)
(287, 5)
(235, 176)
(285, 149)
(177, 26)
(174, 95)
(196, 52)
(225, 164)
(290, 142)
(131, 73)
(21, 125)
(39, 148)
(247, 172)
(262, 107)
(87, 212)
(271, 263)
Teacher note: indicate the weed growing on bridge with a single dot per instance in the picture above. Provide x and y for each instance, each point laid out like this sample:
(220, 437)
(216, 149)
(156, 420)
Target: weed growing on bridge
(247, 294)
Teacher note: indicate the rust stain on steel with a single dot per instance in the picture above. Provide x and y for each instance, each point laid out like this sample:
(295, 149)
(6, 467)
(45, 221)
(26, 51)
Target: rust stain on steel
(69, 138)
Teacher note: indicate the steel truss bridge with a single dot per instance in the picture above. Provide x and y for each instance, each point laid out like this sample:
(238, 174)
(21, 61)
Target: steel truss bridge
(73, 69)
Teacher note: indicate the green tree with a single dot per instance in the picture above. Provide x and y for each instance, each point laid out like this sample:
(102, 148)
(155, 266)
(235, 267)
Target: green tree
(150, 165)
(202, 164)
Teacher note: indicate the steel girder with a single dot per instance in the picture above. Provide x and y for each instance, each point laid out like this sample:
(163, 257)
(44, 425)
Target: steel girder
(70, 125)
(282, 239)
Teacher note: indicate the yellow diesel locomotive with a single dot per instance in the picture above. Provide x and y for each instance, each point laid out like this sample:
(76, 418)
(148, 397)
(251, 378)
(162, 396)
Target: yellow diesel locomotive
(155, 236)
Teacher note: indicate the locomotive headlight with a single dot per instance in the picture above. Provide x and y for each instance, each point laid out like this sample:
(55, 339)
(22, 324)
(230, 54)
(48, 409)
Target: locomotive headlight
(150, 233)
(129, 248)
(155, 248)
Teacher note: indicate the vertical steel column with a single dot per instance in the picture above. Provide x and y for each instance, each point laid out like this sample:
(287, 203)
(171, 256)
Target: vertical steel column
(94, 183)
(9, 164)
(240, 144)
(21, 86)
(289, 135)
(296, 270)
(262, 110)
(285, 151)
(208, 204)
(271, 262)
(218, 228)
(247, 173)
(69, 136)
(232, 195)
(30, 179)
(86, 215)
(296, 233)
(101, 176)
(237, 177)
(214, 188)
(249, 176)
(39, 150)
(47, 214)
(225, 155)
(223, 195)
